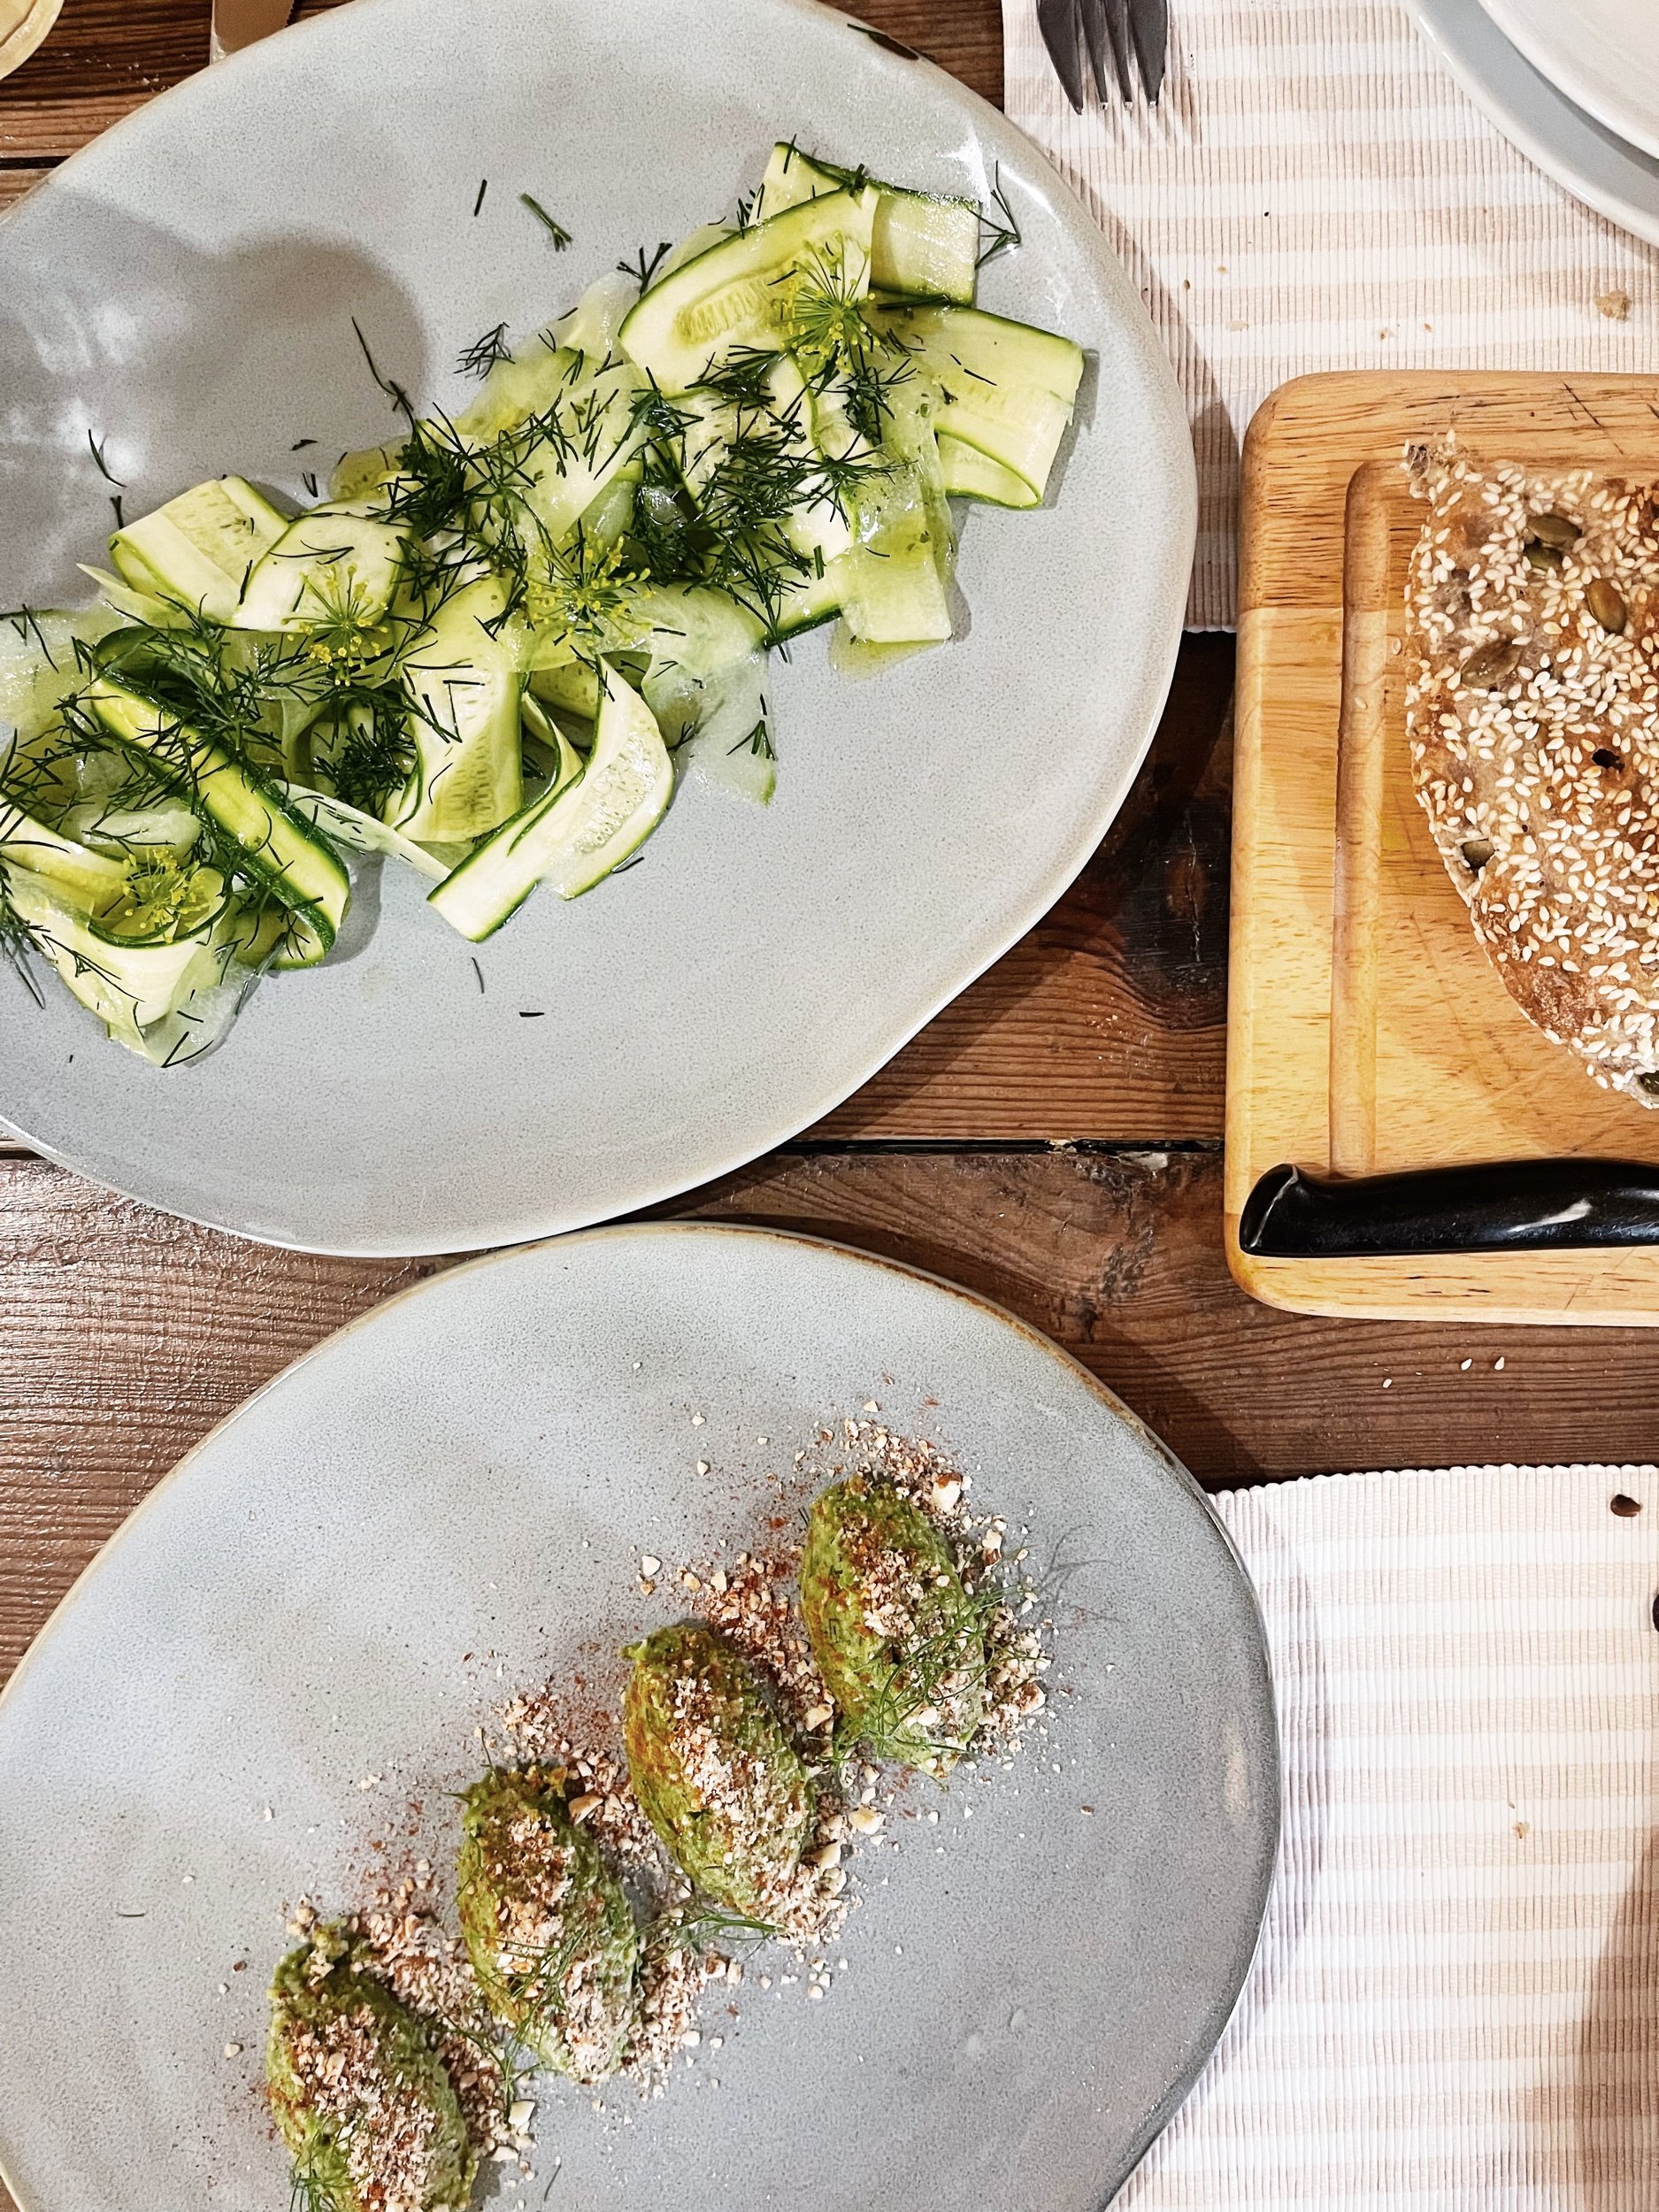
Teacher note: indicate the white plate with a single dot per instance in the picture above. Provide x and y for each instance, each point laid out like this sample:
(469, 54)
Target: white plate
(1602, 54)
(1593, 163)
(185, 289)
(449, 1499)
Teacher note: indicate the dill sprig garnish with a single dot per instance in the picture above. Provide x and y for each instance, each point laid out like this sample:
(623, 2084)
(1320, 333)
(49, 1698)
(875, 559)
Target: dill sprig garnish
(643, 267)
(393, 391)
(556, 232)
(480, 357)
(997, 238)
(105, 470)
(936, 1668)
(758, 742)
(588, 591)
(825, 324)
(18, 944)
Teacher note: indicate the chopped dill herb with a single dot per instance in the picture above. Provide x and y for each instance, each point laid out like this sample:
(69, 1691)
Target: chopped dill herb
(997, 238)
(758, 742)
(483, 187)
(643, 267)
(115, 501)
(556, 232)
(393, 390)
(300, 444)
(105, 470)
(481, 356)
(310, 482)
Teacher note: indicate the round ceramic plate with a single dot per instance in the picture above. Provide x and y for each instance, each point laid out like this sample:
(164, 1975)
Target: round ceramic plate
(1602, 54)
(185, 291)
(451, 1498)
(1593, 163)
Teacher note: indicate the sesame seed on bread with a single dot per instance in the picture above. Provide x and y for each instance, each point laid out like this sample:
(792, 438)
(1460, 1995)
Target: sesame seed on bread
(1533, 711)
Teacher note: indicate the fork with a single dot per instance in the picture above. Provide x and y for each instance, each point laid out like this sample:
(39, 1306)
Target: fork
(1115, 38)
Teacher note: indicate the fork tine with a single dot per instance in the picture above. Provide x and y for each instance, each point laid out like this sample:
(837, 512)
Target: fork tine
(1093, 18)
(1122, 57)
(1057, 20)
(1149, 25)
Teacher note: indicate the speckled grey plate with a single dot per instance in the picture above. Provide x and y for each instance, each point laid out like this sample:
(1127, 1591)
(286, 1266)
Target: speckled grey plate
(449, 1499)
(185, 289)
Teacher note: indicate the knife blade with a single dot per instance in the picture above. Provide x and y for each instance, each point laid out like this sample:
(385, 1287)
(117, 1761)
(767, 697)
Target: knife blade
(239, 23)
(1500, 1206)
(1149, 27)
(1057, 21)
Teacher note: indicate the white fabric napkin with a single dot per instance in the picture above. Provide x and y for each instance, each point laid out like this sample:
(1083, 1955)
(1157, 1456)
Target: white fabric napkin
(1456, 2000)
(1313, 191)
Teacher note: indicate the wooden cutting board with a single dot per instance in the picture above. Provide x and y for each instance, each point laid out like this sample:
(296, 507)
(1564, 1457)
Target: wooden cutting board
(1367, 1031)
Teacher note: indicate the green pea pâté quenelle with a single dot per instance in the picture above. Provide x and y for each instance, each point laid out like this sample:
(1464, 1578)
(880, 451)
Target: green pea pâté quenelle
(718, 1779)
(365, 2103)
(550, 1933)
(899, 1641)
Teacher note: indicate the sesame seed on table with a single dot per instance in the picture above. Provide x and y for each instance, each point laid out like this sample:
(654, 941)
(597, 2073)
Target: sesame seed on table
(1052, 1140)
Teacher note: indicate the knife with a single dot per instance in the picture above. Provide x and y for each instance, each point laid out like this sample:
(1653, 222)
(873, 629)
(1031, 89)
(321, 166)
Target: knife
(239, 23)
(1057, 20)
(1500, 1206)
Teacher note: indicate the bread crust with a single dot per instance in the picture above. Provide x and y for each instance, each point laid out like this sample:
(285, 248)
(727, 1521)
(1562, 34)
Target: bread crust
(1533, 711)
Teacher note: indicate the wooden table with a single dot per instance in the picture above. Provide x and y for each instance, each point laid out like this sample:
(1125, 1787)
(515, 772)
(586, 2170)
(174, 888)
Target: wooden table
(1053, 1139)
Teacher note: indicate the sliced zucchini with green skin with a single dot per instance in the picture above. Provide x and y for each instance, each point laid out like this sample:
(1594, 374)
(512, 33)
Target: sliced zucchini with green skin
(571, 684)
(336, 564)
(351, 826)
(739, 293)
(971, 474)
(280, 852)
(199, 549)
(361, 475)
(895, 579)
(141, 991)
(574, 835)
(90, 881)
(1009, 388)
(594, 435)
(923, 245)
(463, 683)
(39, 668)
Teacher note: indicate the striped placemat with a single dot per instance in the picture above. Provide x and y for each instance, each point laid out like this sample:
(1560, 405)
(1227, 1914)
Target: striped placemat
(1313, 191)
(1456, 2000)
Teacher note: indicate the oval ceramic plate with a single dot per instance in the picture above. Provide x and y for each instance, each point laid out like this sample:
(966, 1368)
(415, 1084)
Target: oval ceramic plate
(451, 1498)
(1593, 163)
(185, 292)
(1602, 54)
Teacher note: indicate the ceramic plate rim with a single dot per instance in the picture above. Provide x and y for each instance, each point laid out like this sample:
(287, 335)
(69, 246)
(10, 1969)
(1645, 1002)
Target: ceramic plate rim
(1166, 425)
(1558, 64)
(1457, 30)
(1171, 1466)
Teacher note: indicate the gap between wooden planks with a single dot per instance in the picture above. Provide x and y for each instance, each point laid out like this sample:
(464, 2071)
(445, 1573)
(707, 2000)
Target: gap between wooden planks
(105, 58)
(126, 1335)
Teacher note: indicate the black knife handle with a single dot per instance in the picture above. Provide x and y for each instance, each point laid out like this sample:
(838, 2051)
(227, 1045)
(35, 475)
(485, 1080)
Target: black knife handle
(1500, 1206)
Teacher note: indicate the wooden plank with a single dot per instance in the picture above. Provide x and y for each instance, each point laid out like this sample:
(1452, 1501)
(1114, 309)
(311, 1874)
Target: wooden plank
(14, 182)
(1108, 1021)
(1370, 1031)
(125, 1336)
(105, 58)
(102, 59)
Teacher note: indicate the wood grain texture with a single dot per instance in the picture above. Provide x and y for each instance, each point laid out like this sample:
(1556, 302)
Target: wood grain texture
(103, 58)
(125, 1336)
(1370, 1033)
